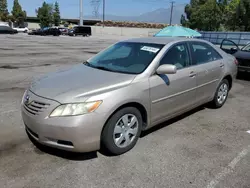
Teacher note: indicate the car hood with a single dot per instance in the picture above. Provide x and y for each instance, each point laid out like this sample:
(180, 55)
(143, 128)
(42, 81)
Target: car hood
(78, 83)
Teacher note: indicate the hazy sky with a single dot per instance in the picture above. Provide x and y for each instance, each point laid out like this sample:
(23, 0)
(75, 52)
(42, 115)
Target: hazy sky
(70, 8)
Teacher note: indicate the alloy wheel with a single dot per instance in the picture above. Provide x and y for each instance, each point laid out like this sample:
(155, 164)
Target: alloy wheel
(125, 130)
(222, 93)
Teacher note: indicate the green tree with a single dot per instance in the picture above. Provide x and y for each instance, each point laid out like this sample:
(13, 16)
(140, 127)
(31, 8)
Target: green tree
(243, 14)
(231, 15)
(204, 14)
(183, 21)
(209, 16)
(56, 14)
(4, 10)
(18, 15)
(45, 15)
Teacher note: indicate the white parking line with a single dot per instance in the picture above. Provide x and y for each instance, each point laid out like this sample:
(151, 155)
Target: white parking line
(248, 131)
(229, 169)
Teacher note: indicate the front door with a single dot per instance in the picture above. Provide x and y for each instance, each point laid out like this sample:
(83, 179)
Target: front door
(229, 46)
(173, 93)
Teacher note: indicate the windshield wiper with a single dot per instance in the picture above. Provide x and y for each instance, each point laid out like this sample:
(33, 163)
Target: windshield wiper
(98, 67)
(103, 68)
(88, 64)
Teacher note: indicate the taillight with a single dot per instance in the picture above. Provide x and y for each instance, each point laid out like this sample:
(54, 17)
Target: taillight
(236, 62)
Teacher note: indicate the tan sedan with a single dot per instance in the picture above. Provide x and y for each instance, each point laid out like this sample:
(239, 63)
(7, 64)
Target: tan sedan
(129, 87)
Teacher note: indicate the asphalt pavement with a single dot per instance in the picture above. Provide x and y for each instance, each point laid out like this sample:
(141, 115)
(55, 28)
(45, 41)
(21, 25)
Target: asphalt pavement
(203, 148)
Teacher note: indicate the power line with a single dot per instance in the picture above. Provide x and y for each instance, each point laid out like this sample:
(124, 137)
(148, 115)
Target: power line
(171, 14)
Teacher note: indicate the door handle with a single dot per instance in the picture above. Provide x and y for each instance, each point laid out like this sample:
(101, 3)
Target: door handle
(222, 65)
(192, 74)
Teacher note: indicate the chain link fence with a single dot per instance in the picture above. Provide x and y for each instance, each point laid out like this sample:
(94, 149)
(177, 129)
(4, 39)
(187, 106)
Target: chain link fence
(240, 38)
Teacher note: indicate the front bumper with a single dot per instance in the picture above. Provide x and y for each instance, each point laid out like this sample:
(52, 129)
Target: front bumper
(74, 133)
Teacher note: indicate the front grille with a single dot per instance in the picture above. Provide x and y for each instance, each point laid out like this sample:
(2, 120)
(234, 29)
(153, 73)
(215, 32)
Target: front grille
(244, 62)
(36, 107)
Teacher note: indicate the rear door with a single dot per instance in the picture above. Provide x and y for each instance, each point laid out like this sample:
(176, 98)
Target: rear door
(81, 30)
(209, 67)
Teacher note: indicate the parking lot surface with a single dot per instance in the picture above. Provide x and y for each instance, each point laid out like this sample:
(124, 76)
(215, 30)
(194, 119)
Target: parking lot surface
(203, 148)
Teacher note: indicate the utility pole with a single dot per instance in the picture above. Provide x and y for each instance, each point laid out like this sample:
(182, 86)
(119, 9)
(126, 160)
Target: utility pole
(171, 14)
(81, 13)
(103, 13)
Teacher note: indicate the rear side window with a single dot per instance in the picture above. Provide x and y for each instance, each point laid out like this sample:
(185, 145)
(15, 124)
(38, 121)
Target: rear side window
(203, 53)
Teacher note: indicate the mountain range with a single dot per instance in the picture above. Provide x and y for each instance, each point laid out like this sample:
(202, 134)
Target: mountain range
(161, 15)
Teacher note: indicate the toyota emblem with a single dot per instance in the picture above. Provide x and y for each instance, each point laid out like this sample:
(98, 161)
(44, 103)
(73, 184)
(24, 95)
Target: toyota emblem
(27, 99)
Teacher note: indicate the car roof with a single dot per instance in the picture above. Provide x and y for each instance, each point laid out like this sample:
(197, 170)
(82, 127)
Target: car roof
(162, 40)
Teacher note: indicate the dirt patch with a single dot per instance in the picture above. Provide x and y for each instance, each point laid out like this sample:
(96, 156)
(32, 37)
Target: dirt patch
(91, 52)
(6, 49)
(12, 89)
(8, 67)
(28, 66)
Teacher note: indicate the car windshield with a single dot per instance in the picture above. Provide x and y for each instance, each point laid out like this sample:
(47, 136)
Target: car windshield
(126, 57)
(246, 48)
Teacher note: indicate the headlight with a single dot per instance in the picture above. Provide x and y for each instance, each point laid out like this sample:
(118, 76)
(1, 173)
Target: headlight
(24, 95)
(75, 109)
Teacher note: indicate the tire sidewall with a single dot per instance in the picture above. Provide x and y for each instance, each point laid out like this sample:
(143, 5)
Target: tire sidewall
(217, 104)
(107, 133)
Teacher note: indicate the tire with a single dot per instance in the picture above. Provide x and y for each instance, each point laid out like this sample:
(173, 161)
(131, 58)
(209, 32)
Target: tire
(108, 137)
(218, 101)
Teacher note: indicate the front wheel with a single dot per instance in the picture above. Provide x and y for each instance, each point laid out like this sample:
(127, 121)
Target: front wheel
(221, 94)
(122, 131)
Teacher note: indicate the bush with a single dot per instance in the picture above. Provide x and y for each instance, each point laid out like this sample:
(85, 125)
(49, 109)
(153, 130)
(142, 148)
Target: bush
(132, 24)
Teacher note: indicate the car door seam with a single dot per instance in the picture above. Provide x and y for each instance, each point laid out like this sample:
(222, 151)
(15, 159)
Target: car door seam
(182, 92)
(202, 85)
(174, 95)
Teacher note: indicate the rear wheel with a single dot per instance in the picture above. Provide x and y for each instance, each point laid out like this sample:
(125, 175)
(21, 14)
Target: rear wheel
(122, 131)
(221, 94)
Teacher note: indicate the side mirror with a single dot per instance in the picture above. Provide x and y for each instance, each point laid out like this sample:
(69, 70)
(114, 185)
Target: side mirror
(166, 69)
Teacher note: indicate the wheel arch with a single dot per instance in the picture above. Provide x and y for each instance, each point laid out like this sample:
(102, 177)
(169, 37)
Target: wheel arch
(142, 109)
(229, 78)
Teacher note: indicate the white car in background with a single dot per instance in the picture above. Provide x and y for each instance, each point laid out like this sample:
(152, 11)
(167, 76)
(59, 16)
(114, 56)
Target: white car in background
(22, 29)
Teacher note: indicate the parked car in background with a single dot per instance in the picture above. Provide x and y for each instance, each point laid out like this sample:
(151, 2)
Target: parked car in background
(51, 31)
(64, 31)
(22, 29)
(80, 30)
(35, 32)
(242, 54)
(131, 86)
(46, 31)
(7, 30)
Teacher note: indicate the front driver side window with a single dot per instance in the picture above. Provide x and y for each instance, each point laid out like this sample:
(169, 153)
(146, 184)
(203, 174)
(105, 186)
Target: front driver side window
(177, 55)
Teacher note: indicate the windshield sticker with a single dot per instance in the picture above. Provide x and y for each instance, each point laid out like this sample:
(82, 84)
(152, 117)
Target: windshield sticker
(150, 49)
